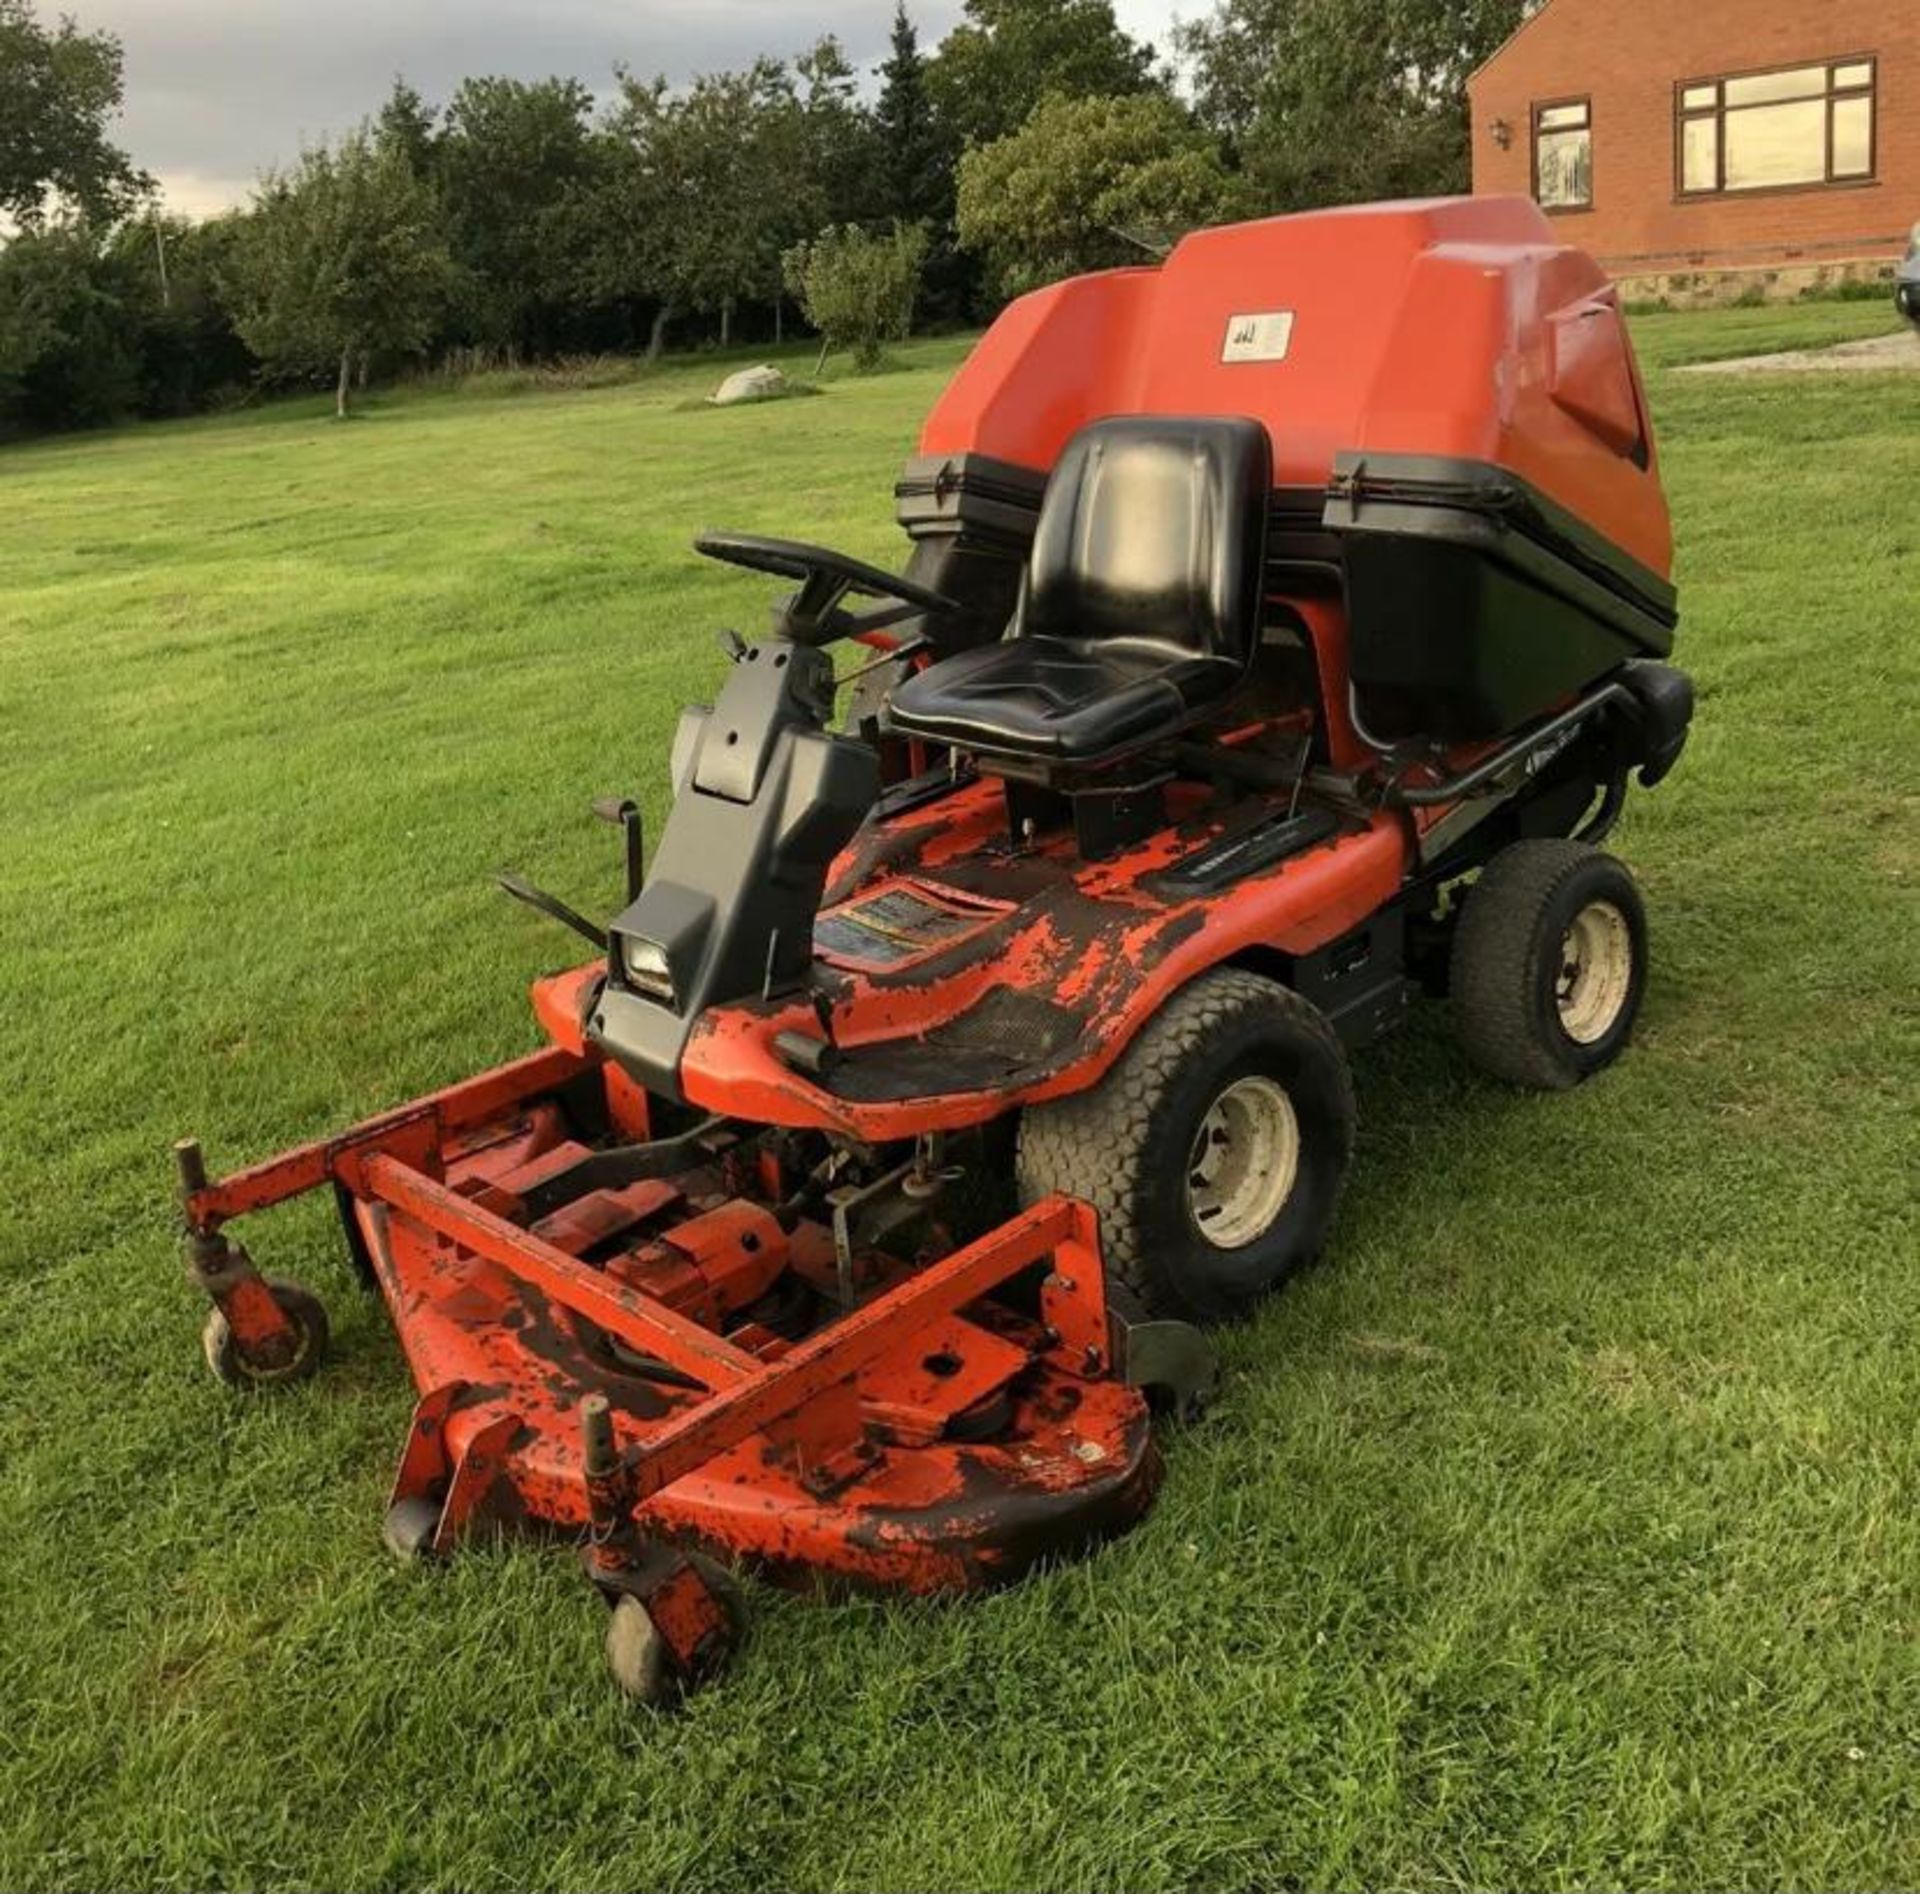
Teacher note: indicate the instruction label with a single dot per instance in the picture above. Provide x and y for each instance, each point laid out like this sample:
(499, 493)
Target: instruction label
(1263, 336)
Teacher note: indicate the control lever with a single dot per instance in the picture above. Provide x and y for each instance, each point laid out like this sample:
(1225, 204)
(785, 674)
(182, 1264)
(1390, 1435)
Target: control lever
(912, 648)
(551, 906)
(624, 813)
(815, 1057)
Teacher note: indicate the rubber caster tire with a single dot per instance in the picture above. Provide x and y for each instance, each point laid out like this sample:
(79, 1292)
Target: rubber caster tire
(303, 1309)
(641, 1661)
(1549, 964)
(637, 1656)
(1214, 1150)
(407, 1530)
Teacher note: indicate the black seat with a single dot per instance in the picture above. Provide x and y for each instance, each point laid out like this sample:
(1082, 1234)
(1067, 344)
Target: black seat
(1140, 611)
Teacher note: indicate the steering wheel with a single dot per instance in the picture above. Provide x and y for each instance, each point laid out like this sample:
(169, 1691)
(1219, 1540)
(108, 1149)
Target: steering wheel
(813, 615)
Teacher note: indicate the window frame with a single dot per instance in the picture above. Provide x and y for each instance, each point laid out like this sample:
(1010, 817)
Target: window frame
(1718, 113)
(1535, 109)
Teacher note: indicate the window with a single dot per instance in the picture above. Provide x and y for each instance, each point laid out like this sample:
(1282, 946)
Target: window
(1770, 131)
(1563, 155)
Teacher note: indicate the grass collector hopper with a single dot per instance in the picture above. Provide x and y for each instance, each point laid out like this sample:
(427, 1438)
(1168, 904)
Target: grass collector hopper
(1282, 627)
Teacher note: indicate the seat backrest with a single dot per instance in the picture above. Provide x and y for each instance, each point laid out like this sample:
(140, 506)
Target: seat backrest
(1154, 527)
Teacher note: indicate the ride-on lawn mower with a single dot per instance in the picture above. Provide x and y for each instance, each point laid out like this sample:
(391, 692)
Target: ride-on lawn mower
(1281, 628)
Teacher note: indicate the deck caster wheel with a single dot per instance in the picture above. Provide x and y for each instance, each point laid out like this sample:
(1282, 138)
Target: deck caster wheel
(642, 1659)
(638, 1656)
(408, 1529)
(304, 1311)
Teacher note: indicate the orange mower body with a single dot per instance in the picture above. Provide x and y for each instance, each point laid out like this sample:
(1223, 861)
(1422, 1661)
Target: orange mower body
(1281, 629)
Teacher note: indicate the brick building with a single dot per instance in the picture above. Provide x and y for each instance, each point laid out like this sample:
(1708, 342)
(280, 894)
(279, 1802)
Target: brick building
(1773, 140)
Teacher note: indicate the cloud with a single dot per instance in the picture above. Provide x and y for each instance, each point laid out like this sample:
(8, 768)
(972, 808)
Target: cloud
(194, 194)
(218, 90)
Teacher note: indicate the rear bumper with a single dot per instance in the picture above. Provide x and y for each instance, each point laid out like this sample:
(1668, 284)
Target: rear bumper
(1663, 696)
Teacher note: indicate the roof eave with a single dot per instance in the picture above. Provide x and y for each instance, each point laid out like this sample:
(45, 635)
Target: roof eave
(1500, 51)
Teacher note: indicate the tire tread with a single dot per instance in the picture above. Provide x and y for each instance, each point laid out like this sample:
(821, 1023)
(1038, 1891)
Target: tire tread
(1090, 1145)
(1488, 982)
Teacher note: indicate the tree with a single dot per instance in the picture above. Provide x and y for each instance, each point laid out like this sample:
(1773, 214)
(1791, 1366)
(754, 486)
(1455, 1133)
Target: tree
(58, 88)
(97, 324)
(69, 353)
(840, 174)
(1337, 101)
(511, 156)
(994, 68)
(858, 289)
(1083, 183)
(703, 193)
(36, 285)
(411, 126)
(915, 161)
(915, 155)
(339, 258)
(169, 271)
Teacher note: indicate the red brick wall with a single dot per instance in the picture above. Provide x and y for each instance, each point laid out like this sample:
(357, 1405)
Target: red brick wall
(1626, 55)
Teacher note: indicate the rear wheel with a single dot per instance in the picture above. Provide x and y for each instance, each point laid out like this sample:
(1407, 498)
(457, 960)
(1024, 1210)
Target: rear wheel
(1549, 964)
(1214, 1151)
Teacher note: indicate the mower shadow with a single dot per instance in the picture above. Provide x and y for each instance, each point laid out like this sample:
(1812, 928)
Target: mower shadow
(1413, 1220)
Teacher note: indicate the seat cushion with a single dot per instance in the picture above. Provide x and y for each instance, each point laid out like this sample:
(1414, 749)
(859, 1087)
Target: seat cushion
(1061, 700)
(1141, 605)
(1154, 526)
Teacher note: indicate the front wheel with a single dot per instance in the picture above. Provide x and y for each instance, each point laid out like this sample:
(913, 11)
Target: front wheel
(642, 1660)
(1214, 1151)
(306, 1315)
(1549, 964)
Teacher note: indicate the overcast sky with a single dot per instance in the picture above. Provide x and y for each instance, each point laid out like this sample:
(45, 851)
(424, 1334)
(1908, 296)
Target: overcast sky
(218, 89)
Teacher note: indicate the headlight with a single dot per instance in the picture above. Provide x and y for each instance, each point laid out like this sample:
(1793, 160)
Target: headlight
(645, 964)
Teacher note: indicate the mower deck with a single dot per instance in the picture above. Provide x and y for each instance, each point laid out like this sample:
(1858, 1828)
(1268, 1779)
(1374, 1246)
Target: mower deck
(670, 1362)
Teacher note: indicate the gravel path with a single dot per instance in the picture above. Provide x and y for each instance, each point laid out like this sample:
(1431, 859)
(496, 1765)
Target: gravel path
(1878, 354)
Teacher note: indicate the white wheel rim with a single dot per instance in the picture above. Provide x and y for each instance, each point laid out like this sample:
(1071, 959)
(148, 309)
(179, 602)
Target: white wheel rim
(1245, 1158)
(1596, 969)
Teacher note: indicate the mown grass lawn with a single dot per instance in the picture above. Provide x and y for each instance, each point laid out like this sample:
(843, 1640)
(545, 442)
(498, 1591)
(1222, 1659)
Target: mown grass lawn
(1563, 1529)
